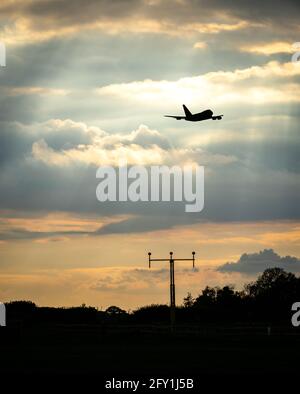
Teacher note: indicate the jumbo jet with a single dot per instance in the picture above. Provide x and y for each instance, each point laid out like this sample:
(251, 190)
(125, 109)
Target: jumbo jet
(204, 115)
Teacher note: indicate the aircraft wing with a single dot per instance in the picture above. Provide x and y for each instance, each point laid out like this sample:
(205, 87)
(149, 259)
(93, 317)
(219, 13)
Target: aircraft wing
(176, 117)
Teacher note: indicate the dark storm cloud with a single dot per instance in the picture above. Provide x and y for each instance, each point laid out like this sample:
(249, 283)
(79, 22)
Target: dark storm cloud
(253, 263)
(65, 13)
(264, 11)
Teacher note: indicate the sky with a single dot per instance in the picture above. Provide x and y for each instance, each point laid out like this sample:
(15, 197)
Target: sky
(86, 83)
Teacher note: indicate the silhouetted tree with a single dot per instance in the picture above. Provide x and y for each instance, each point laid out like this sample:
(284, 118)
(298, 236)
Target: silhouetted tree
(207, 298)
(115, 311)
(188, 301)
(152, 313)
(272, 294)
(20, 311)
(266, 300)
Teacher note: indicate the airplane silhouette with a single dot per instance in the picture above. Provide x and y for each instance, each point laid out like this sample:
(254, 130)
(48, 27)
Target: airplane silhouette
(204, 115)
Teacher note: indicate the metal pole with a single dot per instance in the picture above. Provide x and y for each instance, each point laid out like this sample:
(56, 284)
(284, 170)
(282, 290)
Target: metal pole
(172, 292)
(171, 260)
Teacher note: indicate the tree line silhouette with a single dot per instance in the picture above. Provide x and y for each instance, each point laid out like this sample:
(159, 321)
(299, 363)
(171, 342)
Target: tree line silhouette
(266, 300)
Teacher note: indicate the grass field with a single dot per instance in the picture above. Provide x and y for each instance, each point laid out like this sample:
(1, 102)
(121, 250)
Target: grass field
(214, 354)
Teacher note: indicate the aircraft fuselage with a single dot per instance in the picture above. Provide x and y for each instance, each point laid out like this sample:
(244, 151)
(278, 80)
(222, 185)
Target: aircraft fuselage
(204, 115)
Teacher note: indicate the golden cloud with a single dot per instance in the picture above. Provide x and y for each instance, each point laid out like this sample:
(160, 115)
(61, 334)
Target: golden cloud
(221, 87)
(269, 48)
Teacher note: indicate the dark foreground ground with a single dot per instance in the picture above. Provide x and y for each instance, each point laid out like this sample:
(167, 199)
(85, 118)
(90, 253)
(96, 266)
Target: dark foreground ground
(89, 355)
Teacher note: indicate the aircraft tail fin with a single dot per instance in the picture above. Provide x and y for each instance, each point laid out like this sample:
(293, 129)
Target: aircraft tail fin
(187, 111)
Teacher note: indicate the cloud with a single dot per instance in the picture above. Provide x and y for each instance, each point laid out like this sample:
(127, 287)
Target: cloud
(200, 45)
(143, 146)
(134, 16)
(245, 86)
(53, 226)
(103, 286)
(40, 20)
(51, 166)
(34, 90)
(269, 48)
(58, 139)
(133, 154)
(17, 139)
(253, 263)
(133, 279)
